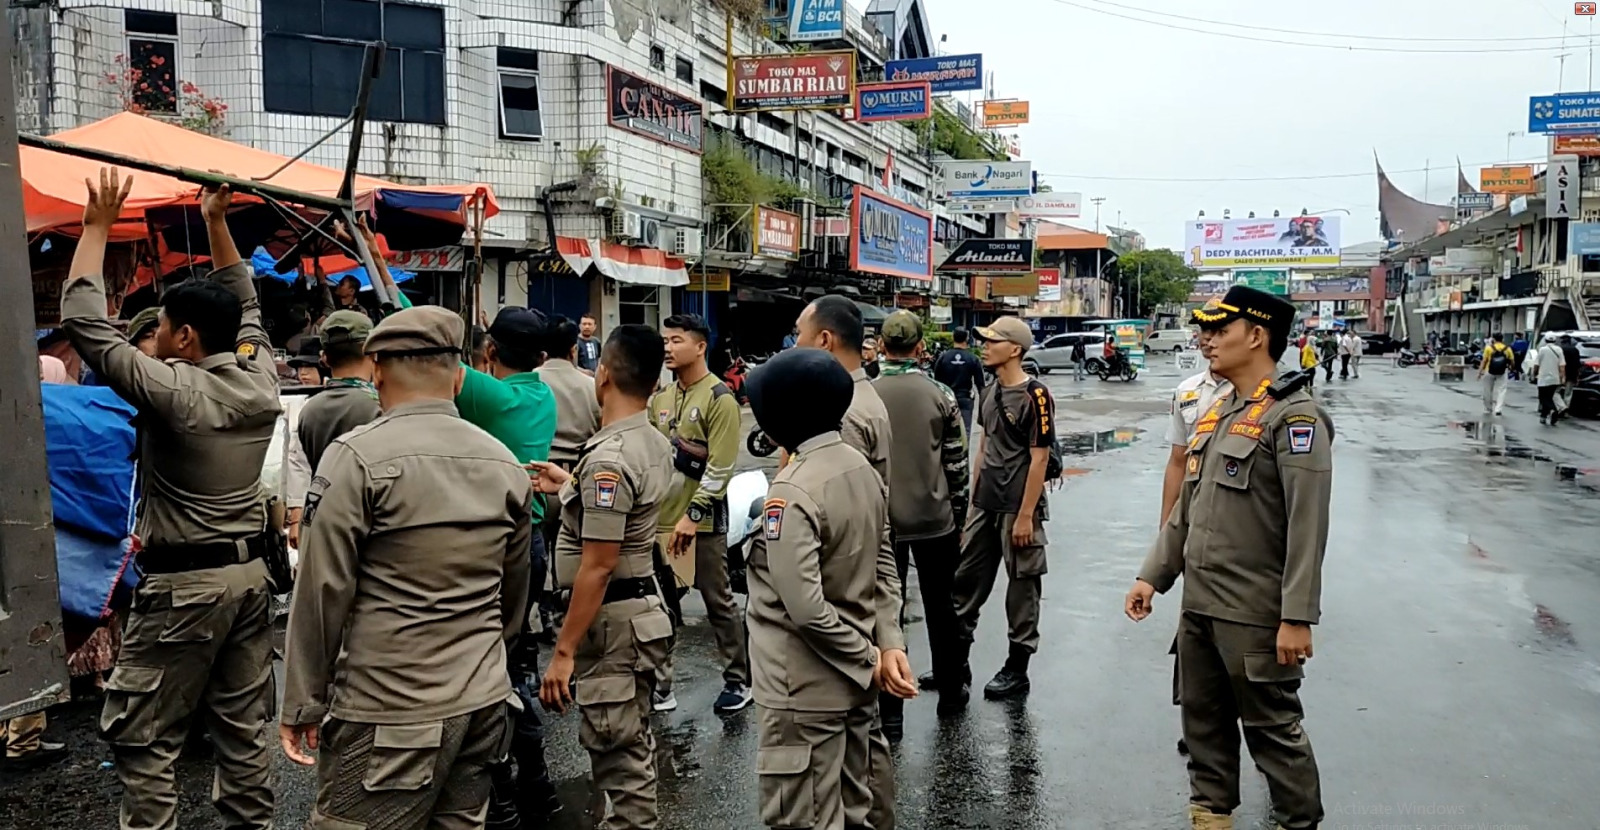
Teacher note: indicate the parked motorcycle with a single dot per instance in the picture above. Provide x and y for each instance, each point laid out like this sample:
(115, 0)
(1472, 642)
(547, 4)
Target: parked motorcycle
(747, 493)
(759, 444)
(1421, 357)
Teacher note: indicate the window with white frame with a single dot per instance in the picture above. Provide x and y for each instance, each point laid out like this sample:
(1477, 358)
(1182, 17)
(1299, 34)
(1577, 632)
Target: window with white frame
(148, 73)
(521, 117)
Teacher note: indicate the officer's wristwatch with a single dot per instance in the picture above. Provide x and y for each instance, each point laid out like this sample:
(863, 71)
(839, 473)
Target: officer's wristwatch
(697, 514)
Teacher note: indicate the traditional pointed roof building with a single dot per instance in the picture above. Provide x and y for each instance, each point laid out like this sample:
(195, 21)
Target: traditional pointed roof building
(1402, 218)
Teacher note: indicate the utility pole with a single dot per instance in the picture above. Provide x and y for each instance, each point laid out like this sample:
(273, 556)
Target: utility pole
(36, 666)
(1097, 200)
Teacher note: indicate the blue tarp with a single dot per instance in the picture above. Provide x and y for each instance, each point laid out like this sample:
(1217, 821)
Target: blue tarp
(90, 443)
(89, 569)
(266, 266)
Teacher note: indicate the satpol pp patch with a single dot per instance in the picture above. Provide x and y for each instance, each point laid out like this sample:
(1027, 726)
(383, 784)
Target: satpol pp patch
(772, 522)
(1301, 439)
(605, 490)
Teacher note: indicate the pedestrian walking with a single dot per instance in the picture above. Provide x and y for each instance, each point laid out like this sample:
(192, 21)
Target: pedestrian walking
(962, 371)
(1492, 369)
(1519, 348)
(1080, 359)
(1327, 353)
(1009, 511)
(405, 703)
(699, 415)
(1573, 362)
(833, 323)
(1550, 374)
(209, 405)
(1345, 351)
(1245, 628)
(928, 497)
(1358, 347)
(817, 602)
(1308, 362)
(616, 630)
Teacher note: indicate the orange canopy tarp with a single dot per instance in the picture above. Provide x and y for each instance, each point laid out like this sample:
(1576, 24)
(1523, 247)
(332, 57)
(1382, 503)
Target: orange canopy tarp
(53, 191)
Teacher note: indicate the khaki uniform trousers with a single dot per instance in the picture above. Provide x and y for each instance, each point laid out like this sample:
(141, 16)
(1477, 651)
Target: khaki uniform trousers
(23, 734)
(723, 614)
(199, 637)
(985, 546)
(422, 776)
(614, 673)
(813, 768)
(1230, 677)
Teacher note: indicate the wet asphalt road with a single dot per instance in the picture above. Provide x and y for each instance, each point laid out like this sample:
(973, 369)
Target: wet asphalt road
(1456, 680)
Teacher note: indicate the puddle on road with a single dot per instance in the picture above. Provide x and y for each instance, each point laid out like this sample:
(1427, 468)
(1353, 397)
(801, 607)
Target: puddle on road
(1494, 443)
(1090, 442)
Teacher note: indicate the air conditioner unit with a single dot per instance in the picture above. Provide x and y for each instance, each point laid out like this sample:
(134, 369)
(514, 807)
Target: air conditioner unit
(689, 242)
(625, 225)
(652, 234)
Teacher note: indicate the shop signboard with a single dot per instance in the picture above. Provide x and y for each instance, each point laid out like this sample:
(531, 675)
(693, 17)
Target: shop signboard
(983, 206)
(1584, 239)
(889, 238)
(985, 179)
(990, 256)
(1470, 258)
(709, 279)
(1507, 179)
(550, 263)
(794, 81)
(830, 227)
(1004, 113)
(1578, 144)
(430, 259)
(816, 20)
(1567, 112)
(778, 233)
(1468, 204)
(1561, 187)
(1050, 206)
(948, 73)
(1025, 285)
(941, 311)
(1263, 243)
(894, 101)
(1272, 281)
(638, 106)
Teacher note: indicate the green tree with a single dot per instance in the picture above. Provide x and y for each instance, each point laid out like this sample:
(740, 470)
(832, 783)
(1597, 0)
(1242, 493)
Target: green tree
(1152, 278)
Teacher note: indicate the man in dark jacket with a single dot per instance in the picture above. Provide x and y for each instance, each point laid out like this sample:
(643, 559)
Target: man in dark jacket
(961, 370)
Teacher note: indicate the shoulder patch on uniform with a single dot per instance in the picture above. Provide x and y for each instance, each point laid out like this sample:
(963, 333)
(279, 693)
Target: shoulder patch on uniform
(246, 351)
(605, 489)
(772, 518)
(1301, 438)
(720, 389)
(1300, 419)
(313, 498)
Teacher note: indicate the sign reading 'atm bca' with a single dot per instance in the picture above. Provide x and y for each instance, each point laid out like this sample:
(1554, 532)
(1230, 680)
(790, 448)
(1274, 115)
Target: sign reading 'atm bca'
(889, 238)
(990, 256)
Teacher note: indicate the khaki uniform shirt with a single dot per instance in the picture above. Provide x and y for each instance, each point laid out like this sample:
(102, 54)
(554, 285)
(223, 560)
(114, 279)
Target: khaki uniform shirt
(703, 424)
(577, 409)
(815, 582)
(928, 449)
(1251, 524)
(413, 573)
(207, 425)
(614, 495)
(866, 428)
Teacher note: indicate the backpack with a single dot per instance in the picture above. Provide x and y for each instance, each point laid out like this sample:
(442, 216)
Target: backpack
(1499, 359)
(1053, 468)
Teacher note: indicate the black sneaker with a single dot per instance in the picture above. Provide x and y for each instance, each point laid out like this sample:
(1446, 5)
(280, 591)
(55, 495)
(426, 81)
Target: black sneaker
(735, 696)
(49, 752)
(928, 682)
(953, 701)
(1008, 683)
(894, 729)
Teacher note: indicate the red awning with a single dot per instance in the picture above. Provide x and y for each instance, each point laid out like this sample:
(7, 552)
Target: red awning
(623, 263)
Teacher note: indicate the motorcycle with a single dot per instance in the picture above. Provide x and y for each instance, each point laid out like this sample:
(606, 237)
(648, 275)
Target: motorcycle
(1423, 357)
(759, 444)
(747, 494)
(734, 378)
(1119, 367)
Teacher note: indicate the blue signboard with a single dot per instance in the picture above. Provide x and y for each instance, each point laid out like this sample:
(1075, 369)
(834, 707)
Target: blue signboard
(951, 73)
(1475, 201)
(816, 20)
(889, 238)
(894, 101)
(1562, 113)
(1585, 239)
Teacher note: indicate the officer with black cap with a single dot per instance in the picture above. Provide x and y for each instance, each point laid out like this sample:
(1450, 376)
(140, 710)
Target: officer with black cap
(1253, 511)
(814, 593)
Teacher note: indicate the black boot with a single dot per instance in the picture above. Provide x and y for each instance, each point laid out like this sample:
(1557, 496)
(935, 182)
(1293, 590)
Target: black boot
(928, 682)
(1012, 681)
(955, 691)
(503, 813)
(891, 710)
(537, 801)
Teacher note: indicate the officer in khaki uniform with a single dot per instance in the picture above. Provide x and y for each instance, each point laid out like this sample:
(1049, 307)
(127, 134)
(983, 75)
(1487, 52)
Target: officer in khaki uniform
(1248, 534)
(200, 630)
(815, 600)
(617, 630)
(413, 578)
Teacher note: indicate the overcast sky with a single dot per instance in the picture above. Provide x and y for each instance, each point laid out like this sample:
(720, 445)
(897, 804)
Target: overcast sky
(1116, 98)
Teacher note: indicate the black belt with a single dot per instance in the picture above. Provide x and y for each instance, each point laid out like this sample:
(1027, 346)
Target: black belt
(619, 590)
(172, 559)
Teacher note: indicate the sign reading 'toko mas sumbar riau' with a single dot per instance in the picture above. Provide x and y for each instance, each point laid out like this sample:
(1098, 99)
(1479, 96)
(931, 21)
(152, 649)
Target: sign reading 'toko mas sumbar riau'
(778, 233)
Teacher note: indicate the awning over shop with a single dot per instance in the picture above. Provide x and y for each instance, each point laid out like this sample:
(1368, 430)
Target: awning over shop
(53, 192)
(871, 315)
(623, 263)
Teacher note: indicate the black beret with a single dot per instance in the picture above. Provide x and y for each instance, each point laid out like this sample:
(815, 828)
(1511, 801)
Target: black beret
(798, 395)
(519, 328)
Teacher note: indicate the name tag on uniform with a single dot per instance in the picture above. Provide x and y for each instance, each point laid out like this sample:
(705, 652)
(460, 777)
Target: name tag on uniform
(773, 522)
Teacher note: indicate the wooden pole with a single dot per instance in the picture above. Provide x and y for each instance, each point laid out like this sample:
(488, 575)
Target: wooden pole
(35, 674)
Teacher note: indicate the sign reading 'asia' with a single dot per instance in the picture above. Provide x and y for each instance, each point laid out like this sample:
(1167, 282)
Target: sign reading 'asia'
(778, 233)
(805, 81)
(638, 106)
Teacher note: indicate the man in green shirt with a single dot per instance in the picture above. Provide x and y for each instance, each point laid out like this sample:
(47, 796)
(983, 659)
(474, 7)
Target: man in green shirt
(513, 404)
(701, 418)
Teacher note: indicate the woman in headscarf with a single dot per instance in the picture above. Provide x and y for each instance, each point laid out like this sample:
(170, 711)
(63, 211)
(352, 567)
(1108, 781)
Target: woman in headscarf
(52, 370)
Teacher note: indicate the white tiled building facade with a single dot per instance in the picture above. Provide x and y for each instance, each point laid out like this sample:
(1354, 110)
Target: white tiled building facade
(286, 70)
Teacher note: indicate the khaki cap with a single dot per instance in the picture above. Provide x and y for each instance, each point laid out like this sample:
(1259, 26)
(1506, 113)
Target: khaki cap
(423, 330)
(1007, 330)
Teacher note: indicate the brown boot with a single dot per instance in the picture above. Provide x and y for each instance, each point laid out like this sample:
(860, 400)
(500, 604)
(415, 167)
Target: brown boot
(1202, 819)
